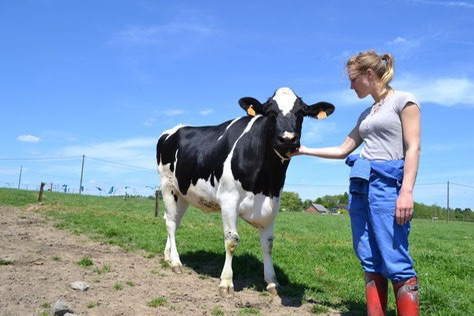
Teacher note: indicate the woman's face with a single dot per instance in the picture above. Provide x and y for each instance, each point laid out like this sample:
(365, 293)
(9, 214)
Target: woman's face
(359, 81)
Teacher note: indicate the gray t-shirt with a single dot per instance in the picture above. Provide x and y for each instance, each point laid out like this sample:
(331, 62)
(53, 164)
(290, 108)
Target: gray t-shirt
(382, 130)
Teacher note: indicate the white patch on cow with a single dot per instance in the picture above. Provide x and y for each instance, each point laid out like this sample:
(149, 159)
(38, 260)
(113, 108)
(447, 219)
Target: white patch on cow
(285, 98)
(288, 135)
(228, 126)
(227, 162)
(258, 210)
(203, 196)
(230, 191)
(171, 131)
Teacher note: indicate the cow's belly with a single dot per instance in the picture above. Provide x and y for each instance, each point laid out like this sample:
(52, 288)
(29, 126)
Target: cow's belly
(258, 210)
(203, 196)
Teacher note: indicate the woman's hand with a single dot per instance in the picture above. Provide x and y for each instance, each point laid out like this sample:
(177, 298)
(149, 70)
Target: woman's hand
(404, 208)
(300, 151)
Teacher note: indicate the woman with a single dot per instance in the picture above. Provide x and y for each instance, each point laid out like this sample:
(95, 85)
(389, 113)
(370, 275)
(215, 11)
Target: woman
(381, 182)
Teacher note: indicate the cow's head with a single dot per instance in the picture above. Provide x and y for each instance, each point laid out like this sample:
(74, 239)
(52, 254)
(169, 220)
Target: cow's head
(285, 112)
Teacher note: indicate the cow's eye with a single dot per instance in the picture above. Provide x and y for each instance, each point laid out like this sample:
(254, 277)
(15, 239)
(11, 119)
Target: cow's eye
(271, 114)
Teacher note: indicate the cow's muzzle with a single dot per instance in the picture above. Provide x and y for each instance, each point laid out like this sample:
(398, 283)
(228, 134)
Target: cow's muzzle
(287, 143)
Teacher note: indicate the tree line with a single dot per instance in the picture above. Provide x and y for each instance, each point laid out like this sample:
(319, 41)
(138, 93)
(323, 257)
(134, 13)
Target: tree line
(291, 201)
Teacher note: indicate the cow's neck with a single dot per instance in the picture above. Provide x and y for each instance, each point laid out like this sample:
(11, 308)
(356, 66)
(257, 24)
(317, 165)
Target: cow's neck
(273, 173)
(282, 158)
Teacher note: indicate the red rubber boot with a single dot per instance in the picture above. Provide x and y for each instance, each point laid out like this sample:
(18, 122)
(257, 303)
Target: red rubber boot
(406, 296)
(375, 294)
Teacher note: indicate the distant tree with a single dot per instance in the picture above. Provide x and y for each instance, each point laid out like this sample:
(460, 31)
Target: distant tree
(322, 201)
(421, 210)
(458, 214)
(468, 215)
(291, 201)
(345, 198)
(333, 201)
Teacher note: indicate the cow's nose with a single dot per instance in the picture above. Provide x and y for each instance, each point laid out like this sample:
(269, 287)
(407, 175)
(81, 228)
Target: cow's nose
(288, 138)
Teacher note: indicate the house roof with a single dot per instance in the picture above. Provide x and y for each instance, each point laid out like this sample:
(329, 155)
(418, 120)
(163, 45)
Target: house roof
(318, 207)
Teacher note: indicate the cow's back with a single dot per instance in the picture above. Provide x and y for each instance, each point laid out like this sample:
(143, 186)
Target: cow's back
(192, 159)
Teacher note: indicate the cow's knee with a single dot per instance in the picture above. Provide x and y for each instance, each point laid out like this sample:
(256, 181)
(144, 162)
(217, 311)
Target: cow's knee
(231, 241)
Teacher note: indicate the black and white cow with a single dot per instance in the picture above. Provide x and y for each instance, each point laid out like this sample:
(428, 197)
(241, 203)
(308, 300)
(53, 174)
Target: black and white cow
(237, 168)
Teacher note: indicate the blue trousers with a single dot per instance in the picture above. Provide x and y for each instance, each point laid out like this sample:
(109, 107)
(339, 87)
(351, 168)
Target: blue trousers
(379, 242)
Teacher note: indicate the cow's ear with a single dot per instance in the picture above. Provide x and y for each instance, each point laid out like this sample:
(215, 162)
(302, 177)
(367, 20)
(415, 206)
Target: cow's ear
(251, 106)
(319, 110)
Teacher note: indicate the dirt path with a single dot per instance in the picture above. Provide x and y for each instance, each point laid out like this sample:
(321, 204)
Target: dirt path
(39, 263)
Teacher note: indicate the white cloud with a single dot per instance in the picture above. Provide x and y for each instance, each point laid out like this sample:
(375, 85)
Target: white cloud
(139, 152)
(314, 131)
(185, 27)
(461, 4)
(402, 47)
(188, 32)
(398, 40)
(28, 138)
(447, 147)
(346, 97)
(174, 112)
(443, 91)
(149, 122)
(160, 34)
(206, 112)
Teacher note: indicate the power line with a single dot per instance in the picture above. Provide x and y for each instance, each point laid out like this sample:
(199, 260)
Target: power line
(462, 185)
(121, 164)
(316, 185)
(41, 158)
(27, 171)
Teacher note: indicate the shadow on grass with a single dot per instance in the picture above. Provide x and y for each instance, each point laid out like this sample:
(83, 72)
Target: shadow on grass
(248, 273)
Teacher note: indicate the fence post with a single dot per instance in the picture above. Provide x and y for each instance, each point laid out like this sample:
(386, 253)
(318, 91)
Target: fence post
(40, 196)
(156, 202)
(82, 173)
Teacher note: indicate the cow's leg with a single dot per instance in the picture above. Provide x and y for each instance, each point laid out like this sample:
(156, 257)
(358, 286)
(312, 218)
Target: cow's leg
(231, 240)
(175, 207)
(266, 244)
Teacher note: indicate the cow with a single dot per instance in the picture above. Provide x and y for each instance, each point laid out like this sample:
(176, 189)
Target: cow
(237, 168)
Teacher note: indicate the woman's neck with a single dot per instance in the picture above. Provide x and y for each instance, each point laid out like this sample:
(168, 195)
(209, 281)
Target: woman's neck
(381, 94)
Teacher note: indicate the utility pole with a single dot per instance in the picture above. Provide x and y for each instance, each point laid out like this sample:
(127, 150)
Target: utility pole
(82, 173)
(19, 180)
(447, 203)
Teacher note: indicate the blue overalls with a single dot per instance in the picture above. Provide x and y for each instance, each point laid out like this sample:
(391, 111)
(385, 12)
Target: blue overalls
(379, 242)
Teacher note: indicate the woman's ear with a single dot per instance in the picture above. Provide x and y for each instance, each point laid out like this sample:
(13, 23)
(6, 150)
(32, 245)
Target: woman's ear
(371, 74)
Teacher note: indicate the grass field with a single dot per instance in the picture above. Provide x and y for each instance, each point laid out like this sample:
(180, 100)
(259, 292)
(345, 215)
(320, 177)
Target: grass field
(312, 253)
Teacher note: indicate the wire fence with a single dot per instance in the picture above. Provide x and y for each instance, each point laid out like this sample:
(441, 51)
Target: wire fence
(97, 176)
(78, 174)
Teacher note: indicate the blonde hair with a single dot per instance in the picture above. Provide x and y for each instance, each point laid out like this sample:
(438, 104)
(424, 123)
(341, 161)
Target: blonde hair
(382, 65)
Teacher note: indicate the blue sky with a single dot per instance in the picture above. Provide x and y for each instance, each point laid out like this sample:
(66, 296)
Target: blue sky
(104, 78)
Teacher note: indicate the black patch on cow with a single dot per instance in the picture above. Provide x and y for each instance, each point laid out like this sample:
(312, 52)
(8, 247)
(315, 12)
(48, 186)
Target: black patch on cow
(165, 152)
(255, 164)
(200, 151)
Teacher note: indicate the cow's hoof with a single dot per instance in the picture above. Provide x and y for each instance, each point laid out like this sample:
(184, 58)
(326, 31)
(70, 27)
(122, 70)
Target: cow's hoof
(226, 292)
(272, 289)
(177, 269)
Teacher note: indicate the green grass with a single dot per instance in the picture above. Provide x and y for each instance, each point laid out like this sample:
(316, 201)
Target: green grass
(156, 302)
(105, 268)
(312, 254)
(6, 262)
(118, 286)
(85, 262)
